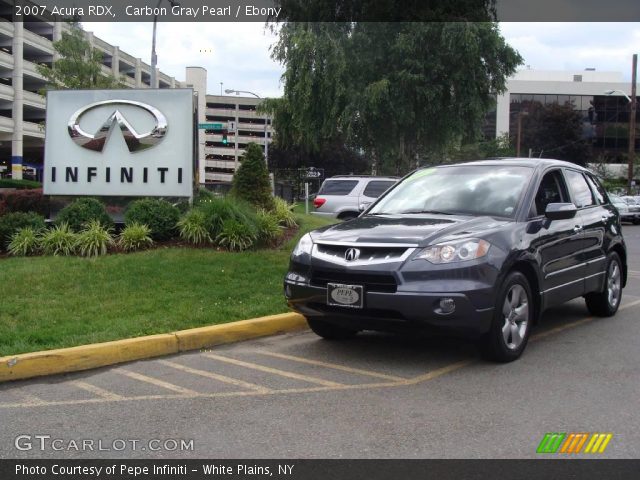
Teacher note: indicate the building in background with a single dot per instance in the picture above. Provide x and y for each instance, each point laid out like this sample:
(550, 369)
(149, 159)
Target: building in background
(605, 117)
(23, 45)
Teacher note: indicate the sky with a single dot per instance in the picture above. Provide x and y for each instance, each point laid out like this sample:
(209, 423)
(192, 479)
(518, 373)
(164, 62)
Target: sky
(239, 54)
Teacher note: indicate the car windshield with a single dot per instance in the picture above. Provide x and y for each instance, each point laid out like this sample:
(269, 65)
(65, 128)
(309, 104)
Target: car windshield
(492, 190)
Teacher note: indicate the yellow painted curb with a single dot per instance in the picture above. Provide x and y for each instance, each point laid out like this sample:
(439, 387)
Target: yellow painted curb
(65, 360)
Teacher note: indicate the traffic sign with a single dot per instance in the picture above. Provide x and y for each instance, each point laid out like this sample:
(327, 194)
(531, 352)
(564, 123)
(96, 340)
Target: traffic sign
(231, 126)
(210, 126)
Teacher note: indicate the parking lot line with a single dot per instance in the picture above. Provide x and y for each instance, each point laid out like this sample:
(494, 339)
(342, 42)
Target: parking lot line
(154, 381)
(215, 376)
(332, 365)
(275, 371)
(100, 392)
(32, 400)
(577, 323)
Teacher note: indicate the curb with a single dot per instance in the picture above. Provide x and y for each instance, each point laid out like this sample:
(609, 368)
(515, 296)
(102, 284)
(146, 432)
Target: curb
(84, 357)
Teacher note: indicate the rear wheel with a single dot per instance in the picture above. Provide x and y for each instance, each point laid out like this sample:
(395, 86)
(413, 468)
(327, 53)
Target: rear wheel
(330, 331)
(606, 303)
(512, 320)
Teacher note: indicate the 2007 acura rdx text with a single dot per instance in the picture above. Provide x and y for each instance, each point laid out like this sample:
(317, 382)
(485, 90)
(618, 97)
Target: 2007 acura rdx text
(481, 248)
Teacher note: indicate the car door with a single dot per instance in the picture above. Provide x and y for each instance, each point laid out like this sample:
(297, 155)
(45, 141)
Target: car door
(558, 243)
(373, 190)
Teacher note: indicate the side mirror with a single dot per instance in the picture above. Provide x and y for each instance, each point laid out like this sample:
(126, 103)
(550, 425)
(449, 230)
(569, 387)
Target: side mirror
(560, 211)
(363, 206)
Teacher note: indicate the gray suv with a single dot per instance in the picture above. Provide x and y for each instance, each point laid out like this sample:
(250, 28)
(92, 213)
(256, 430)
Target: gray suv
(479, 248)
(342, 196)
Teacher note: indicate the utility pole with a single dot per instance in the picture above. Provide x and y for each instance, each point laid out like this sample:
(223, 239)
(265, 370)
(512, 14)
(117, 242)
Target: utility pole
(632, 123)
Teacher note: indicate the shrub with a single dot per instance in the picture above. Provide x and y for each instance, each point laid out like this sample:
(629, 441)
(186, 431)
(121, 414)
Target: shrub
(269, 228)
(159, 215)
(19, 184)
(283, 211)
(82, 211)
(59, 241)
(203, 195)
(94, 240)
(194, 227)
(135, 237)
(220, 209)
(12, 222)
(27, 201)
(24, 242)
(3, 207)
(251, 181)
(236, 235)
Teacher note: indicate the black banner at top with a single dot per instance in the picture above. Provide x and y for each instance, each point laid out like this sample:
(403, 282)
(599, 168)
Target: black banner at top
(323, 10)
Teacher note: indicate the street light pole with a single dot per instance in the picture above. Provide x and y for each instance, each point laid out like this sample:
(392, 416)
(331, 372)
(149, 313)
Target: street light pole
(266, 122)
(632, 121)
(154, 55)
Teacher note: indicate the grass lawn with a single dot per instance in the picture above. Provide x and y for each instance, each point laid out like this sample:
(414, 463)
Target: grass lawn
(55, 302)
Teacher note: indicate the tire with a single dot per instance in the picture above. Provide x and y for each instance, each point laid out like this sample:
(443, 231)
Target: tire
(330, 331)
(512, 320)
(606, 303)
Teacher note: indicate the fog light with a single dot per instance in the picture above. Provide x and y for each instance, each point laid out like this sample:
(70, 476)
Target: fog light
(447, 305)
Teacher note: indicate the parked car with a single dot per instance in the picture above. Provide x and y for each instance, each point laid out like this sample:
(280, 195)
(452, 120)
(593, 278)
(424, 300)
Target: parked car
(345, 196)
(479, 248)
(623, 209)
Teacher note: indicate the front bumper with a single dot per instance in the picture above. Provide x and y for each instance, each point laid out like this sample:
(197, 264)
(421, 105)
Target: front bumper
(410, 308)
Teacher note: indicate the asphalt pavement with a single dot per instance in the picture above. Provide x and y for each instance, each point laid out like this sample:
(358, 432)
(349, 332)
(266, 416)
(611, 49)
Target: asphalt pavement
(377, 396)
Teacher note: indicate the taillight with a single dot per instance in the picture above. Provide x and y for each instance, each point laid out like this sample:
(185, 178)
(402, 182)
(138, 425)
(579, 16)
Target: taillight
(318, 202)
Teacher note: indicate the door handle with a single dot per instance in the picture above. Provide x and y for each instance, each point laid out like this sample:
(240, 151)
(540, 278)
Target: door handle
(577, 228)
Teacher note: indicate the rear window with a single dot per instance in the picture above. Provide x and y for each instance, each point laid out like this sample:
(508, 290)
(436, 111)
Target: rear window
(337, 187)
(375, 188)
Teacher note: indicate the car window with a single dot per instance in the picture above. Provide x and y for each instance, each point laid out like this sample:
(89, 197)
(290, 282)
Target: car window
(551, 190)
(598, 190)
(458, 190)
(337, 187)
(375, 188)
(579, 188)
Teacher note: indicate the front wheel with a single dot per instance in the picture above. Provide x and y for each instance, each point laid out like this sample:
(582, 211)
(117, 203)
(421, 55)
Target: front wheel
(330, 331)
(512, 320)
(606, 303)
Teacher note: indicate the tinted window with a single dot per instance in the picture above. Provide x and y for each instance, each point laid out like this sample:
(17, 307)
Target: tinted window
(598, 190)
(461, 189)
(580, 190)
(551, 190)
(376, 188)
(337, 187)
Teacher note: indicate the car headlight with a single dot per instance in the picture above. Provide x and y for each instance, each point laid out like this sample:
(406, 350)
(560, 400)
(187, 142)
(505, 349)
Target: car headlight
(304, 246)
(456, 251)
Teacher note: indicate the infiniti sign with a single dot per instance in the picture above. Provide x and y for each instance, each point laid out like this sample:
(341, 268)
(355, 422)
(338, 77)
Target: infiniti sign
(135, 141)
(120, 143)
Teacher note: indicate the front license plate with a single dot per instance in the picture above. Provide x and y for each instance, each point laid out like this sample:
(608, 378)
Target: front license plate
(341, 295)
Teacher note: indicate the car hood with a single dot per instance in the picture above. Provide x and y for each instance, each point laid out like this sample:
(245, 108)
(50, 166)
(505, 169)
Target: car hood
(421, 230)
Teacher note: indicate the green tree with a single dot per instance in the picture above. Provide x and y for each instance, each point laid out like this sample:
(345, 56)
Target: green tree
(79, 65)
(392, 90)
(251, 181)
(555, 131)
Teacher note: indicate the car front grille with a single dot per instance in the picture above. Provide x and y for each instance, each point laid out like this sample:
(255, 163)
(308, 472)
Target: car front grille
(371, 282)
(336, 253)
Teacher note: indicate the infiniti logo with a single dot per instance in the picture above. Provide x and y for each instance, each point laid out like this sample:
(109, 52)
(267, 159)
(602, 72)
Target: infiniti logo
(352, 254)
(135, 141)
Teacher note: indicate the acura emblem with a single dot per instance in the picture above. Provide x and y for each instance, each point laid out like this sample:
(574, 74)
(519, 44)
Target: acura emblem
(352, 254)
(135, 141)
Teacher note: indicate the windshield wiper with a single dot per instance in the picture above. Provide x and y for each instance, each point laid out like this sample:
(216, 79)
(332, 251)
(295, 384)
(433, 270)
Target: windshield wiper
(435, 212)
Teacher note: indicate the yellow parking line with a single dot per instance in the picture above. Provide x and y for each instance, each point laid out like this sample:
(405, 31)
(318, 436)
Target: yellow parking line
(215, 376)
(331, 365)
(275, 371)
(154, 381)
(100, 392)
(33, 400)
(577, 323)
